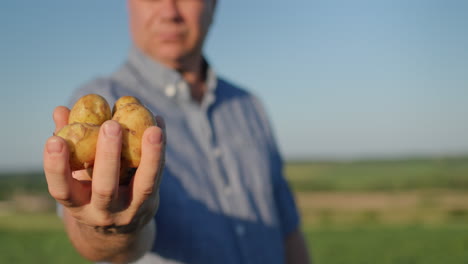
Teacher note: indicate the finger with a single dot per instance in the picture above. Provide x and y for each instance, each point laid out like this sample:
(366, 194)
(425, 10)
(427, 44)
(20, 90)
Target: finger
(162, 124)
(146, 178)
(107, 166)
(57, 170)
(60, 117)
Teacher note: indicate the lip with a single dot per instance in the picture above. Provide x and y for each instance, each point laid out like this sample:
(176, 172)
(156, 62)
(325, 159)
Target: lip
(170, 36)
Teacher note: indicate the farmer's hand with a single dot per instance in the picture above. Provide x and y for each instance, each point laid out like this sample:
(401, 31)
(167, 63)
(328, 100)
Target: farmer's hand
(105, 220)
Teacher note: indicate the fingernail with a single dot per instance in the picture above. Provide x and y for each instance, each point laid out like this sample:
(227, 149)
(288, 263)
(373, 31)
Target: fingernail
(54, 146)
(155, 138)
(111, 129)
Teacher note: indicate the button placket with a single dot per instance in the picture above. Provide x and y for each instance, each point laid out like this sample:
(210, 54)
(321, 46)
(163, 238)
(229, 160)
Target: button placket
(183, 91)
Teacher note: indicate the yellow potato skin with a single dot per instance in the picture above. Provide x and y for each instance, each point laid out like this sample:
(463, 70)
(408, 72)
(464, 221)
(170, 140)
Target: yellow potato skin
(85, 120)
(81, 139)
(123, 101)
(91, 109)
(134, 119)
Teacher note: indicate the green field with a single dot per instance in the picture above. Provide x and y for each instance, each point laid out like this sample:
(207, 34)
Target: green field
(35, 238)
(380, 175)
(390, 244)
(403, 244)
(398, 211)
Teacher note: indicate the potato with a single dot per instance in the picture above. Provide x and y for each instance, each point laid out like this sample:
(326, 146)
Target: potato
(91, 109)
(81, 139)
(134, 119)
(123, 101)
(84, 122)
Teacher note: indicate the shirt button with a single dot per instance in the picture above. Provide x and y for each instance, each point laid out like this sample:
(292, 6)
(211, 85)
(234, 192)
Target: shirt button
(240, 230)
(170, 90)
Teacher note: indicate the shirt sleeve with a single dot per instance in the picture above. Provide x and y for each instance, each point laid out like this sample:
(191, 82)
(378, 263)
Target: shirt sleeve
(284, 199)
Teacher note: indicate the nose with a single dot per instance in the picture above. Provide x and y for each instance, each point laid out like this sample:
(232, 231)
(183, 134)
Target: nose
(170, 11)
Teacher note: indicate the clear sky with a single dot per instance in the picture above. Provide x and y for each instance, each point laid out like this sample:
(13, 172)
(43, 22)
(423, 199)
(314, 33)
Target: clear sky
(339, 78)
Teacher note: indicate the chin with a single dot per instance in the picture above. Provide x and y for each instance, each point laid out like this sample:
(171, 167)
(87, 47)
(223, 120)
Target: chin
(171, 57)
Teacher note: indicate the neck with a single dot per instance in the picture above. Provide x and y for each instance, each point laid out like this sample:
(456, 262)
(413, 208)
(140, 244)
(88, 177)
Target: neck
(193, 71)
(195, 75)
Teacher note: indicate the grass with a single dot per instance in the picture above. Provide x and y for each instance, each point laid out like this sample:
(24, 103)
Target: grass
(36, 246)
(30, 222)
(35, 238)
(385, 175)
(389, 244)
(45, 242)
(437, 207)
(388, 212)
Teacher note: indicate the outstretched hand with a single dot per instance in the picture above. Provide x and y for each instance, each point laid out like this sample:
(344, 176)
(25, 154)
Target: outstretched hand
(102, 203)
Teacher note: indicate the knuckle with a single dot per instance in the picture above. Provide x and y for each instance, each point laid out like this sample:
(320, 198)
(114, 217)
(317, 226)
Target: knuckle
(103, 193)
(109, 155)
(48, 167)
(147, 192)
(53, 166)
(125, 221)
(104, 219)
(108, 150)
(60, 195)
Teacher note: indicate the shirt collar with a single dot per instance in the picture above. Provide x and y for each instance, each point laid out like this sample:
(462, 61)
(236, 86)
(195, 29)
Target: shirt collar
(169, 81)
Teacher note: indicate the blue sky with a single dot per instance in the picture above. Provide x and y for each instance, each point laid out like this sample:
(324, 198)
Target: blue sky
(340, 79)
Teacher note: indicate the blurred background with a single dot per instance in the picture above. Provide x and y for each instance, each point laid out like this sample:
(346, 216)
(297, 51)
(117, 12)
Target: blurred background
(368, 100)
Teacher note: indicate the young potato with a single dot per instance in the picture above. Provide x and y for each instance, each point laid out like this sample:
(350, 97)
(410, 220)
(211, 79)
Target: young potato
(81, 139)
(82, 131)
(91, 109)
(134, 119)
(123, 101)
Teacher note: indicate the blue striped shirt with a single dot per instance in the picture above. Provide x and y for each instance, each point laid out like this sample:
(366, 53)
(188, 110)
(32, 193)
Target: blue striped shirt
(224, 198)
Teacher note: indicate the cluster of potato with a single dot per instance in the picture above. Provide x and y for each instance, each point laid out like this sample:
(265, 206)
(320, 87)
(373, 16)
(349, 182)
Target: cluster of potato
(85, 119)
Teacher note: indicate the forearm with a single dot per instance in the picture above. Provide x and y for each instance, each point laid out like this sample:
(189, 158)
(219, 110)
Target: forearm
(296, 249)
(96, 245)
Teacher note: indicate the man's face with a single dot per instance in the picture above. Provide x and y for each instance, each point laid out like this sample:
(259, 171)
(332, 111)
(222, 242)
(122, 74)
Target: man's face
(170, 31)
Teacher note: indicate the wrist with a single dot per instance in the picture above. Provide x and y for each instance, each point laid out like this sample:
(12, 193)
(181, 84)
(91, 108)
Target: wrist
(111, 244)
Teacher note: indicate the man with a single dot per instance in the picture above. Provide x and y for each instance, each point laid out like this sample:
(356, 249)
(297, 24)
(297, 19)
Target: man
(223, 197)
